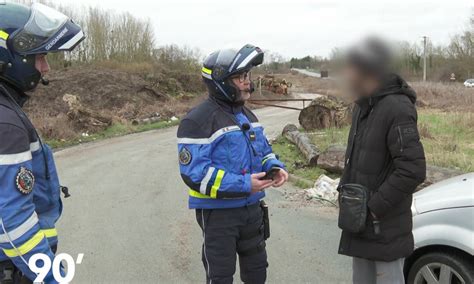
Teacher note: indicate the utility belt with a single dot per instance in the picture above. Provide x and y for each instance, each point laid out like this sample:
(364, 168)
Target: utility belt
(266, 220)
(264, 228)
(9, 274)
(263, 231)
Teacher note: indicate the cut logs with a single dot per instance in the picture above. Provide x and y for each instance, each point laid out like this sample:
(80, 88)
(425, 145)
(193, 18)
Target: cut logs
(304, 144)
(332, 160)
(324, 112)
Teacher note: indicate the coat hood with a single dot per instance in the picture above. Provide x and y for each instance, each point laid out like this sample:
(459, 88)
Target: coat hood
(394, 84)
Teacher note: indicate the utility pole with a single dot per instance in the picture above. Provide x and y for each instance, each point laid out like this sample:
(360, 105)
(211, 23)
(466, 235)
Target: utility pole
(424, 58)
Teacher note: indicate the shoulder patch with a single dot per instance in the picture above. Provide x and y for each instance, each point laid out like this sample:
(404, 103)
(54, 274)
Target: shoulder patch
(185, 157)
(25, 181)
(408, 130)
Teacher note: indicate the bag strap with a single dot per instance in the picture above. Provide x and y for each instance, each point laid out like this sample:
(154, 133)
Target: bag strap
(351, 146)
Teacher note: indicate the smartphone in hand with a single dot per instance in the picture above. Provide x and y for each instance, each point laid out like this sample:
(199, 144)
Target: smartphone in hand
(271, 173)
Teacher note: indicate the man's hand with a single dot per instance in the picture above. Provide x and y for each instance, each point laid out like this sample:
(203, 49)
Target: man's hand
(258, 184)
(280, 178)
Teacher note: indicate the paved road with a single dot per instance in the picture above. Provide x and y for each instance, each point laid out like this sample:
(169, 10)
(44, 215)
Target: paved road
(307, 72)
(128, 214)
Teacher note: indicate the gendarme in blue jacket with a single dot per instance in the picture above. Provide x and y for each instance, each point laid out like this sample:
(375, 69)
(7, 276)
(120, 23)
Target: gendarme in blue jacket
(219, 147)
(30, 201)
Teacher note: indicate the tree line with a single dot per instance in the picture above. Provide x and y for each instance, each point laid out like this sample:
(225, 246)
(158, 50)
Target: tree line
(442, 60)
(117, 37)
(123, 38)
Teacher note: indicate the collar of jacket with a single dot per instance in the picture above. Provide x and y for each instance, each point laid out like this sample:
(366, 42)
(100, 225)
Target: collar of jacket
(227, 106)
(19, 97)
(390, 84)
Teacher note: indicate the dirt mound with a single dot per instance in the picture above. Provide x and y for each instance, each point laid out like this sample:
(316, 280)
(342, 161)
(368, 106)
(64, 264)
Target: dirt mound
(102, 94)
(98, 89)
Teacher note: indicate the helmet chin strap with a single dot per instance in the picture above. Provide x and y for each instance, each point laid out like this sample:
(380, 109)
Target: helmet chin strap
(223, 91)
(236, 100)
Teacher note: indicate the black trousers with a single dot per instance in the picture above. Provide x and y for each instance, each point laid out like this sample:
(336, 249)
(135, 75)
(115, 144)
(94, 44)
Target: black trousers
(228, 232)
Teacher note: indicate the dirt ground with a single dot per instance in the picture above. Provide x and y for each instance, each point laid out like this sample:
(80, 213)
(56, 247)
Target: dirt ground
(102, 97)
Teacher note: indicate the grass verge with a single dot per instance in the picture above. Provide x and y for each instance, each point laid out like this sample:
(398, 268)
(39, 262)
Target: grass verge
(447, 137)
(112, 131)
(295, 163)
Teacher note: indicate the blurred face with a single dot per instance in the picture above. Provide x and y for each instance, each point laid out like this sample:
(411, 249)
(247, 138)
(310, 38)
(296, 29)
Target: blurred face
(242, 82)
(41, 64)
(357, 83)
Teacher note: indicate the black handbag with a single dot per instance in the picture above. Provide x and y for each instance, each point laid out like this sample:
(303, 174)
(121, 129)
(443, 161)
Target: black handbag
(353, 199)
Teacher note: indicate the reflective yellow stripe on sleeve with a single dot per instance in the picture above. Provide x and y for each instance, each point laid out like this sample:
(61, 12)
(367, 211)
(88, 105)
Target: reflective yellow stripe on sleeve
(214, 188)
(196, 194)
(26, 247)
(50, 233)
(217, 183)
(206, 70)
(3, 35)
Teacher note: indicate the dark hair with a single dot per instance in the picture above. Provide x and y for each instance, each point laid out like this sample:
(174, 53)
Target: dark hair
(372, 56)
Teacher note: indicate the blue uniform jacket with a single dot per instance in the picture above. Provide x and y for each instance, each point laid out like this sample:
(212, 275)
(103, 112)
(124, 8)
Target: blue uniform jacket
(219, 147)
(30, 201)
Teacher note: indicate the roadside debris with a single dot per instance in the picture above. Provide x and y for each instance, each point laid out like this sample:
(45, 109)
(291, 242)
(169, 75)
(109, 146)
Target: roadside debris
(84, 118)
(274, 85)
(324, 189)
(152, 119)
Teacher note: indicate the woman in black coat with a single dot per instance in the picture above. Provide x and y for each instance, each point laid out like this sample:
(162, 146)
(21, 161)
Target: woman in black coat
(386, 156)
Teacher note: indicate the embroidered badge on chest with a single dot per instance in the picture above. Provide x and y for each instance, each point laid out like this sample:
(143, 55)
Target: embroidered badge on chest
(25, 180)
(185, 156)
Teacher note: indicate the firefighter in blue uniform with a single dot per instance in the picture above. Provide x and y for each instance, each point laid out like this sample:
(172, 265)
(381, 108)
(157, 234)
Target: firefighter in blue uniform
(30, 201)
(227, 162)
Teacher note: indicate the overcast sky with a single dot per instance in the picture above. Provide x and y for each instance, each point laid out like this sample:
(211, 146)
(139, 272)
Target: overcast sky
(293, 28)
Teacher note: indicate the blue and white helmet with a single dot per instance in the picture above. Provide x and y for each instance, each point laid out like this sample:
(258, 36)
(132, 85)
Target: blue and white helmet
(221, 65)
(28, 31)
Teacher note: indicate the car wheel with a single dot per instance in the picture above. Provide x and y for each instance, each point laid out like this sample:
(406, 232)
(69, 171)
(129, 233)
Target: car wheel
(441, 268)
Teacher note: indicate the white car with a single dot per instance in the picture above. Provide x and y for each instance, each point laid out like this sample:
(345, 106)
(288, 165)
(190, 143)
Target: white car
(443, 227)
(469, 83)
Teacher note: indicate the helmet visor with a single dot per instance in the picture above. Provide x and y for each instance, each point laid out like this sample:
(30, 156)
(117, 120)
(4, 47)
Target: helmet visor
(223, 64)
(43, 23)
